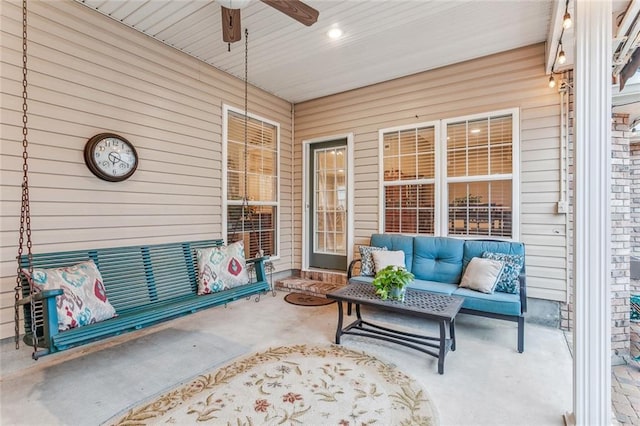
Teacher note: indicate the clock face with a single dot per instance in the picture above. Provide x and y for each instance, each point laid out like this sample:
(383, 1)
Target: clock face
(111, 157)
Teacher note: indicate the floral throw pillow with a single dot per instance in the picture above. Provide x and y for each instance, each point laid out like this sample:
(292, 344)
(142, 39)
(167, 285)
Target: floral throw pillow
(84, 299)
(221, 268)
(513, 263)
(367, 268)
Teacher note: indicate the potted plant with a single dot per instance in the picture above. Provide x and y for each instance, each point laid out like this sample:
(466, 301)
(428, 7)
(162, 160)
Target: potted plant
(391, 282)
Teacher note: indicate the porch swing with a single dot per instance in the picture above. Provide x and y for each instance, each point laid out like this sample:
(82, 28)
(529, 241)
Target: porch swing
(144, 285)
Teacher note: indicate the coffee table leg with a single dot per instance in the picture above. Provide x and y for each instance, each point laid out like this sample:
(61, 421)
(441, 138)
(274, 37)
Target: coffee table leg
(443, 342)
(452, 334)
(339, 330)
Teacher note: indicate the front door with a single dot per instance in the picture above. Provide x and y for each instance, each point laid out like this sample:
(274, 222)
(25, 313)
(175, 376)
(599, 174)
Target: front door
(328, 205)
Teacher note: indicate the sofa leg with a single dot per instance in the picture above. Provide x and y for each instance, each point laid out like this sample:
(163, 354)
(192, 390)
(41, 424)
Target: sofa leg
(520, 334)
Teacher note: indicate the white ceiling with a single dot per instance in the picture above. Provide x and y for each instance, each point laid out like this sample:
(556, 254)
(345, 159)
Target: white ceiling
(382, 39)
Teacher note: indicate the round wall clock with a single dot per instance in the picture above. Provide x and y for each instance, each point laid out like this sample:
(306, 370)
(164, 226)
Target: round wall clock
(110, 157)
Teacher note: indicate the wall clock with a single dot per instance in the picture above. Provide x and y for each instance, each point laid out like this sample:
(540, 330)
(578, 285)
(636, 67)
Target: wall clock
(110, 157)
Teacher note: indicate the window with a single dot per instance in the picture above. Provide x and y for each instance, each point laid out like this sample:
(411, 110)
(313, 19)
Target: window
(479, 176)
(256, 224)
(476, 179)
(409, 180)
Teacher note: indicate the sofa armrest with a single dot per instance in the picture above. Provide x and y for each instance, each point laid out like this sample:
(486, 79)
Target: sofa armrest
(523, 291)
(353, 263)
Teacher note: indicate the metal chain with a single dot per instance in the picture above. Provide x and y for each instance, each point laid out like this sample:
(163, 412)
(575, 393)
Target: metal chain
(245, 199)
(25, 216)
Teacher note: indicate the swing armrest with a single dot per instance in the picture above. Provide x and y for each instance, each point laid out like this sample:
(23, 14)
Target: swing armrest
(259, 267)
(42, 295)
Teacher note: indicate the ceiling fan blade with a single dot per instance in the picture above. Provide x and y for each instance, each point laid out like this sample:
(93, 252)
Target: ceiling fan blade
(231, 26)
(295, 9)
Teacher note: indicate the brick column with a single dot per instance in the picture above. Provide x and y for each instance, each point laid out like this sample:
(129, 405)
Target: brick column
(620, 237)
(634, 171)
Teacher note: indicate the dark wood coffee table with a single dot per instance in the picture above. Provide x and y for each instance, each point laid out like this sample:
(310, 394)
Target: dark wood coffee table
(433, 306)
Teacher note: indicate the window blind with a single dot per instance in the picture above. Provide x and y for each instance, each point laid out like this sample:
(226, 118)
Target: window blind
(257, 227)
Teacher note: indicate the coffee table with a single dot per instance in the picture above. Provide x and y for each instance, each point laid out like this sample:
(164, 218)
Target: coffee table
(433, 306)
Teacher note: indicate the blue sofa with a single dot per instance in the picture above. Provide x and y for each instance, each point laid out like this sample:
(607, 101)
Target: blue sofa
(438, 264)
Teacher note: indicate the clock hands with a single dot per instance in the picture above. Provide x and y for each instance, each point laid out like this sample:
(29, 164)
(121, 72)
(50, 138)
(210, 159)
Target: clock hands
(114, 157)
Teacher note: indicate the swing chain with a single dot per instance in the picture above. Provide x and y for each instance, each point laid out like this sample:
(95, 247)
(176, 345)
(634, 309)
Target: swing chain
(245, 199)
(25, 216)
(245, 203)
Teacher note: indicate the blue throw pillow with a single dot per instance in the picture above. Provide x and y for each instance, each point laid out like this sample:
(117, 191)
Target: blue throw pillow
(513, 263)
(367, 267)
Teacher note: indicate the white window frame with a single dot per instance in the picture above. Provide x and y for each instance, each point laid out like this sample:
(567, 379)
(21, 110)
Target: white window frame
(514, 176)
(382, 184)
(226, 109)
(441, 219)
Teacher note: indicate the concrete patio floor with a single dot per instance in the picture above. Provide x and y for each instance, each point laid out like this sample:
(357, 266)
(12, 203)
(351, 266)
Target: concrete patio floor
(486, 381)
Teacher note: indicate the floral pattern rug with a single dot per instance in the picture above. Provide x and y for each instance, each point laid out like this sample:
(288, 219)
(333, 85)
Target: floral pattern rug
(293, 385)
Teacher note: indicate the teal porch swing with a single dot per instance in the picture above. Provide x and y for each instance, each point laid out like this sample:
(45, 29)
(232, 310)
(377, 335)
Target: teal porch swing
(145, 284)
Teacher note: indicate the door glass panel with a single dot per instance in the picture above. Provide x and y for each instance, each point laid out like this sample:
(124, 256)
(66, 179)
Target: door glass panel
(331, 201)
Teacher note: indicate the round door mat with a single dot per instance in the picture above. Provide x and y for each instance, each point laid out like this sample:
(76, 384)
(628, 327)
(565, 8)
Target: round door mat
(307, 300)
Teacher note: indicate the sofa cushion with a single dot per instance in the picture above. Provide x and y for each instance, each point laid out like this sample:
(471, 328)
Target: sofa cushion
(497, 303)
(438, 259)
(482, 274)
(396, 242)
(361, 279)
(433, 286)
(475, 248)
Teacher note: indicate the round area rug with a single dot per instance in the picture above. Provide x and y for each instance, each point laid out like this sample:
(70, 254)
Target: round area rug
(307, 300)
(304, 385)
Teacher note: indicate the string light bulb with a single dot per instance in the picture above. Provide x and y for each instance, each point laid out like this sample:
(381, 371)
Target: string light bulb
(566, 21)
(562, 58)
(552, 82)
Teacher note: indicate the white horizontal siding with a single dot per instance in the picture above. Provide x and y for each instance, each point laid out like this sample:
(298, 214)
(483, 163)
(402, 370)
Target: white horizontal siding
(512, 79)
(89, 74)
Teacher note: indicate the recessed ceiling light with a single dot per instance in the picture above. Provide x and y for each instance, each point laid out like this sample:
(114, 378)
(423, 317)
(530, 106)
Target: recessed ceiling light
(475, 130)
(234, 4)
(334, 33)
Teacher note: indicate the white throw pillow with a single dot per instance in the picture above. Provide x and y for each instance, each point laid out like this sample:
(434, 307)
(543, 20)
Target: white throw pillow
(482, 274)
(382, 259)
